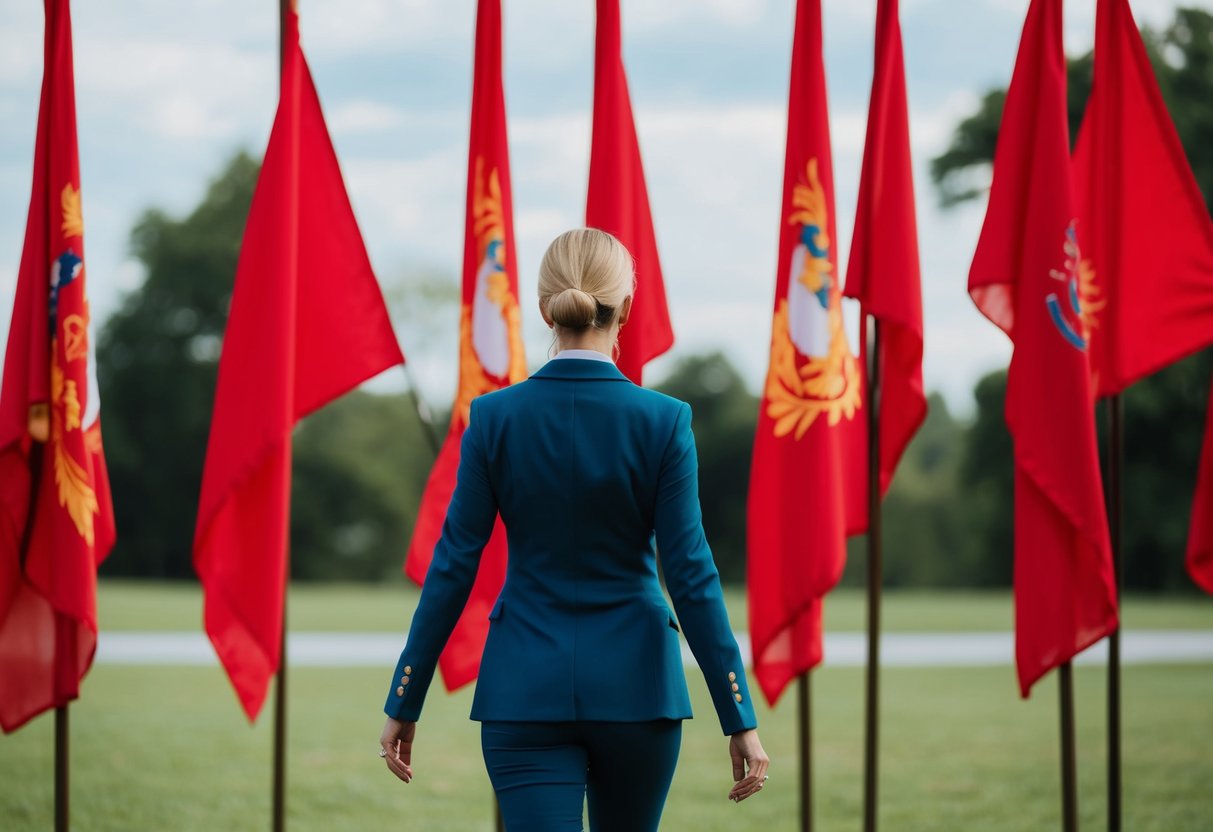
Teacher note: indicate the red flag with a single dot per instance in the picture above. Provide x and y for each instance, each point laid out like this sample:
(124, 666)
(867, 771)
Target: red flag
(808, 479)
(56, 520)
(1200, 532)
(1026, 278)
(307, 324)
(618, 201)
(882, 272)
(490, 341)
(1149, 281)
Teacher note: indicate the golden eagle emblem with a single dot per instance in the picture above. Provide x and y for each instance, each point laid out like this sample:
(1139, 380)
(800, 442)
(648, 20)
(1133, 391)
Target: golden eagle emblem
(812, 370)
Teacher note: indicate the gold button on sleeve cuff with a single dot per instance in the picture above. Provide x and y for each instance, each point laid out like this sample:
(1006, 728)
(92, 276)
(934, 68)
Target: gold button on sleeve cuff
(737, 696)
(404, 680)
(732, 676)
(400, 691)
(736, 687)
(408, 670)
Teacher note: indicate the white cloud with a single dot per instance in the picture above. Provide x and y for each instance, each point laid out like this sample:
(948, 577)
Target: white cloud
(364, 116)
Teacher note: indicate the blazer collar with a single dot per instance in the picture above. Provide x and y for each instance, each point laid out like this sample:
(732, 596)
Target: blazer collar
(580, 369)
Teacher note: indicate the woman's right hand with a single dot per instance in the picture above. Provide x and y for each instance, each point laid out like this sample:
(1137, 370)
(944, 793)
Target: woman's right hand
(397, 744)
(749, 765)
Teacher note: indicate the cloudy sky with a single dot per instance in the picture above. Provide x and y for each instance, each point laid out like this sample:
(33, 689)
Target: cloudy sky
(167, 92)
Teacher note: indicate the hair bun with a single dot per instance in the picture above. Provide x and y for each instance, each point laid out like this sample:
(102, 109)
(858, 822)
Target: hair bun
(573, 308)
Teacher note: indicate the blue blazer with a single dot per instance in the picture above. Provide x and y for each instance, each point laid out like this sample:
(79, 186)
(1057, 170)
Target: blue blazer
(587, 471)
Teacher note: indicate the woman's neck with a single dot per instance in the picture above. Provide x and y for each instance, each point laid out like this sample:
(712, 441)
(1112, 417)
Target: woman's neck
(598, 340)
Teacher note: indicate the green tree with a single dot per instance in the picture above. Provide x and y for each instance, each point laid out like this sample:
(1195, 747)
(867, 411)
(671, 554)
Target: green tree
(359, 464)
(725, 416)
(157, 362)
(1182, 56)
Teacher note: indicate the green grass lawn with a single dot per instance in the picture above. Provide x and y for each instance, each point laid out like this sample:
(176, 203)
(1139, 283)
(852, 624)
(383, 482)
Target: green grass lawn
(167, 748)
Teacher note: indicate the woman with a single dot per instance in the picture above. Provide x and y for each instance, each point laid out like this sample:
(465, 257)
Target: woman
(581, 689)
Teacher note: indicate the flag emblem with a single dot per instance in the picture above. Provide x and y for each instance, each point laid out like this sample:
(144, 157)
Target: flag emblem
(1081, 294)
(72, 480)
(490, 329)
(813, 370)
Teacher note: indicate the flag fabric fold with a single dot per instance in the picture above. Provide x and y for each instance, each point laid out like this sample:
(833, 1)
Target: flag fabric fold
(617, 200)
(808, 477)
(883, 272)
(1200, 530)
(1029, 278)
(491, 353)
(56, 518)
(307, 324)
(1144, 223)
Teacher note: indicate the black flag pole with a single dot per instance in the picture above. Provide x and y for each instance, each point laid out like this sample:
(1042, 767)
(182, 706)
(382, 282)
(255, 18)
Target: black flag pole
(871, 748)
(424, 415)
(1069, 790)
(62, 747)
(285, 7)
(62, 823)
(805, 712)
(1115, 503)
(280, 728)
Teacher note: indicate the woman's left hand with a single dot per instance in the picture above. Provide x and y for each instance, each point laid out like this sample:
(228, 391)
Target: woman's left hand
(397, 744)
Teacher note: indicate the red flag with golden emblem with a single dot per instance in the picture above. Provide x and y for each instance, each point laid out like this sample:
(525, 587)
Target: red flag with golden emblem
(618, 199)
(808, 478)
(56, 520)
(1028, 278)
(490, 342)
(308, 323)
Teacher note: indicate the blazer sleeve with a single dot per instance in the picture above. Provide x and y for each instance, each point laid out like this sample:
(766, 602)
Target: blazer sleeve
(693, 582)
(465, 532)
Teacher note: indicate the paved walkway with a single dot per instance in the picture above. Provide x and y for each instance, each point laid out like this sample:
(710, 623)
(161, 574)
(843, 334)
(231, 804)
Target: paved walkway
(841, 649)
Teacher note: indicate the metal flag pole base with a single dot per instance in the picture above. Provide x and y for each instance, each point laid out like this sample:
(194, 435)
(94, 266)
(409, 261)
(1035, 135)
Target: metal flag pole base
(1069, 791)
(61, 770)
(804, 702)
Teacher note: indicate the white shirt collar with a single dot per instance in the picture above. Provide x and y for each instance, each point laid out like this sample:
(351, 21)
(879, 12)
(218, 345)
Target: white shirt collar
(590, 355)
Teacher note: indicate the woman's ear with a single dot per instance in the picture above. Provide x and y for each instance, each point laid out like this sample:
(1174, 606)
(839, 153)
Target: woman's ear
(543, 312)
(625, 310)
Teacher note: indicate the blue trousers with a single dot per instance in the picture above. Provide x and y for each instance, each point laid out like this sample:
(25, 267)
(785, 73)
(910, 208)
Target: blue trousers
(544, 772)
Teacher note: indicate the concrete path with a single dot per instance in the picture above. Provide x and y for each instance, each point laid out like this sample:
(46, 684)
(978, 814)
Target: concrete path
(841, 649)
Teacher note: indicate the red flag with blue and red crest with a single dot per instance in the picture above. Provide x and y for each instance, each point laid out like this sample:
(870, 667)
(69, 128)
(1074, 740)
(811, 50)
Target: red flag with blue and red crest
(1028, 277)
(56, 519)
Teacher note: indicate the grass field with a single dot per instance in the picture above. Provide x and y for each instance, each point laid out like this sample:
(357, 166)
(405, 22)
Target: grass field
(164, 748)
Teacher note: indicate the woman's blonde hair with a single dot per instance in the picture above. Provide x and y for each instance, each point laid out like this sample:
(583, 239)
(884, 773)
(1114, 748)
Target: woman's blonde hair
(584, 278)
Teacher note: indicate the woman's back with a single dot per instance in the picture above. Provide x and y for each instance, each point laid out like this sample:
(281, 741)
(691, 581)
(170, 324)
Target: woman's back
(574, 458)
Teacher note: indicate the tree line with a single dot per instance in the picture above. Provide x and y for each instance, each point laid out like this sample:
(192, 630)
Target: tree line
(360, 464)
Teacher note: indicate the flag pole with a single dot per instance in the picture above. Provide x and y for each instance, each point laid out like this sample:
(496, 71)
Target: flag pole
(62, 747)
(804, 702)
(280, 728)
(871, 758)
(61, 770)
(1116, 439)
(423, 411)
(279, 785)
(1069, 794)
